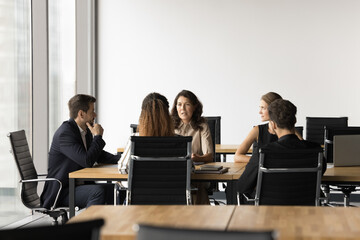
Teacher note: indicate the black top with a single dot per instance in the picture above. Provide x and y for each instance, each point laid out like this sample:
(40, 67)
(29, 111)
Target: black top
(264, 137)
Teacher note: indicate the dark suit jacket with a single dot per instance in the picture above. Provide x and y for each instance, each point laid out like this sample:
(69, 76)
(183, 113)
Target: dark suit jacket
(248, 179)
(68, 154)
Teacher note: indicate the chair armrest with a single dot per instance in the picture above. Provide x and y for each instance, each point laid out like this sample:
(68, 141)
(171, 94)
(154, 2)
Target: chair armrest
(245, 196)
(46, 180)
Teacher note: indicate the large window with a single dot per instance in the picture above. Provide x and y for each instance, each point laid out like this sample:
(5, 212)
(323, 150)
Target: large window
(62, 58)
(15, 99)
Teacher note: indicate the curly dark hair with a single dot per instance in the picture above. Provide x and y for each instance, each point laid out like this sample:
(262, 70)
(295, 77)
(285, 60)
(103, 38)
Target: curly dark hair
(155, 119)
(196, 118)
(283, 112)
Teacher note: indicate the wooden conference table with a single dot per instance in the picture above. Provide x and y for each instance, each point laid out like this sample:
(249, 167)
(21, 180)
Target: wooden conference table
(333, 175)
(289, 222)
(111, 173)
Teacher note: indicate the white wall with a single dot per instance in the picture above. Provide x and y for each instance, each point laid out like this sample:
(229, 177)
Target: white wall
(229, 53)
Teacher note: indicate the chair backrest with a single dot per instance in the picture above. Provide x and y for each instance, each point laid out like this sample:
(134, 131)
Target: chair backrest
(315, 127)
(147, 232)
(215, 130)
(330, 132)
(133, 128)
(300, 130)
(289, 177)
(26, 168)
(89, 230)
(160, 170)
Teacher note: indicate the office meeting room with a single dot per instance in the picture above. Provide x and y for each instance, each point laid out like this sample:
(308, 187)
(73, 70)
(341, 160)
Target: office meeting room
(179, 119)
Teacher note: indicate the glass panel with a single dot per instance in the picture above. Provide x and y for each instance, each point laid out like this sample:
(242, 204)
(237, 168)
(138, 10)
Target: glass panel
(61, 61)
(15, 99)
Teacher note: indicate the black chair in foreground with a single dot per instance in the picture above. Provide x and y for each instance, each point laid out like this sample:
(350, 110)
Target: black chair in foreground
(289, 177)
(29, 178)
(89, 230)
(315, 127)
(160, 170)
(147, 232)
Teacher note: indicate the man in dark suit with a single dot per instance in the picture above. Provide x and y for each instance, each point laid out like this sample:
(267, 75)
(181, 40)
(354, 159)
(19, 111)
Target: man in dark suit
(77, 144)
(282, 123)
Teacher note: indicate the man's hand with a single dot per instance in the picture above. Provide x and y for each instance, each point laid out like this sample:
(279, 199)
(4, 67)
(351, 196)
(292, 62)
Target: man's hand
(96, 129)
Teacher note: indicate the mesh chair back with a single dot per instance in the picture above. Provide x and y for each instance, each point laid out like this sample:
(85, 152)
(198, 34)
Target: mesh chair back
(315, 127)
(215, 130)
(289, 177)
(160, 169)
(89, 230)
(25, 165)
(330, 132)
(147, 232)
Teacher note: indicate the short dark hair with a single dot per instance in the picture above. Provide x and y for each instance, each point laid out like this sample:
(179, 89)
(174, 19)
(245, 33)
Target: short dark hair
(198, 109)
(79, 102)
(283, 112)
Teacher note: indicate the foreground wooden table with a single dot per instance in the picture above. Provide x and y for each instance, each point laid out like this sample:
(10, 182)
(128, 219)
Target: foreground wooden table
(289, 222)
(120, 220)
(299, 222)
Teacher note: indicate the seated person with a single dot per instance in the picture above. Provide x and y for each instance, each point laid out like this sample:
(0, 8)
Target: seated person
(154, 121)
(186, 113)
(77, 144)
(259, 135)
(282, 122)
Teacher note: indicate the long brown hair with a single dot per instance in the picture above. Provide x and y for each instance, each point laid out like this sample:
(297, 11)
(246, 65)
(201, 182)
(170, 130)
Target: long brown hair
(155, 119)
(196, 118)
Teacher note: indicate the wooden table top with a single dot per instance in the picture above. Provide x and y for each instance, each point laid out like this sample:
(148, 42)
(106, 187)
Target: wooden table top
(119, 220)
(342, 174)
(290, 222)
(105, 172)
(293, 222)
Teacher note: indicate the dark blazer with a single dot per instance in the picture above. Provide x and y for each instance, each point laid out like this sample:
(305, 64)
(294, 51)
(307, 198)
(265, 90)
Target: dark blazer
(68, 154)
(248, 180)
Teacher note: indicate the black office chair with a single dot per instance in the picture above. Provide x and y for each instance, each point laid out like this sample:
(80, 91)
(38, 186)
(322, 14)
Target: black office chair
(330, 132)
(88, 230)
(215, 130)
(315, 127)
(289, 177)
(300, 130)
(133, 128)
(147, 232)
(160, 170)
(29, 178)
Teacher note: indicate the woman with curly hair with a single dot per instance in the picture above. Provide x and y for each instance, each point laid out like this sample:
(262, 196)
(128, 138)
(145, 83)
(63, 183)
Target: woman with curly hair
(186, 113)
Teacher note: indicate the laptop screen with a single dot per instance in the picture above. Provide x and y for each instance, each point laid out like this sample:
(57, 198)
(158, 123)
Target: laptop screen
(346, 150)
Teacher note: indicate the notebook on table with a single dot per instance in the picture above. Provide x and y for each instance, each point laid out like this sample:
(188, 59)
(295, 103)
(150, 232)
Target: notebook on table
(346, 150)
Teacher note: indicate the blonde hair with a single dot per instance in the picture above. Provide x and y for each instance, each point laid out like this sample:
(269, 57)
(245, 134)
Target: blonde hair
(155, 119)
